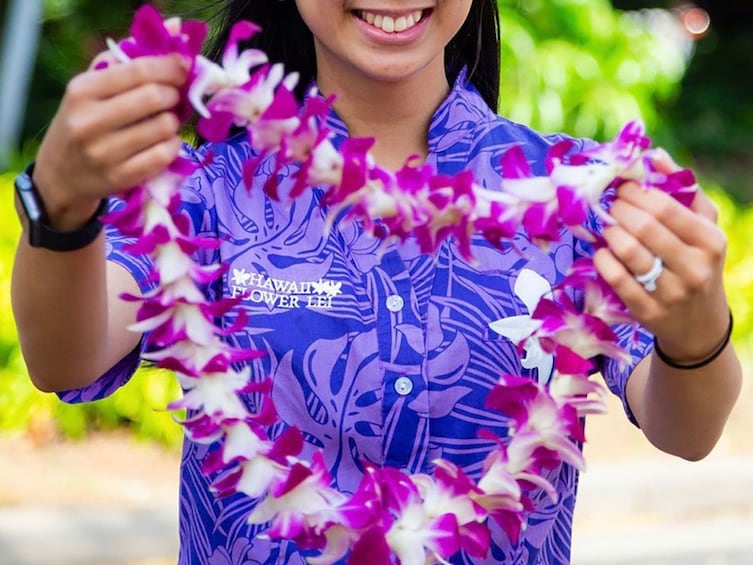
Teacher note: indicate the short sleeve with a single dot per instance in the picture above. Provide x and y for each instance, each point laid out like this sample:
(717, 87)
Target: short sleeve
(108, 383)
(638, 342)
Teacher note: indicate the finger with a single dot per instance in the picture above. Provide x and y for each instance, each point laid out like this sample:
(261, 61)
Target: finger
(145, 164)
(122, 144)
(638, 232)
(663, 161)
(703, 206)
(637, 260)
(169, 70)
(692, 228)
(123, 110)
(642, 305)
(642, 234)
(629, 250)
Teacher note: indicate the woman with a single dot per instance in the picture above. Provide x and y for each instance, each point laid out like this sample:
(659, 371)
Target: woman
(377, 352)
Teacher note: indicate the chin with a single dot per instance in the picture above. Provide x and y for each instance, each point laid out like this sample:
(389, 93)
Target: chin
(397, 71)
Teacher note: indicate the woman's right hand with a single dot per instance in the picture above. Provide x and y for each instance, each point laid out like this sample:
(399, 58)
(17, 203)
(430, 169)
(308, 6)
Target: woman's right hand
(115, 128)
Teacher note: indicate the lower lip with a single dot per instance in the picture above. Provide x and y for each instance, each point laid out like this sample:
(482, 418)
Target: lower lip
(396, 38)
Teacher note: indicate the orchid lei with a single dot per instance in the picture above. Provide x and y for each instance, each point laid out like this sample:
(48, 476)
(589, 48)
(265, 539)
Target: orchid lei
(417, 518)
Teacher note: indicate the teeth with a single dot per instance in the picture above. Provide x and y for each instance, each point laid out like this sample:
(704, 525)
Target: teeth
(389, 24)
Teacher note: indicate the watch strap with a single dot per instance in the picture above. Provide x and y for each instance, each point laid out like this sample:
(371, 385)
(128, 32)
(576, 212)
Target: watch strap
(41, 234)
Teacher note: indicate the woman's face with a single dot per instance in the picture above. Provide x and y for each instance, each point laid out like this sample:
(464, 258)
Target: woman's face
(381, 40)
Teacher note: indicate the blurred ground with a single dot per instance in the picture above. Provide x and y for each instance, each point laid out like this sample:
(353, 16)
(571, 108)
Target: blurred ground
(110, 499)
(639, 506)
(66, 503)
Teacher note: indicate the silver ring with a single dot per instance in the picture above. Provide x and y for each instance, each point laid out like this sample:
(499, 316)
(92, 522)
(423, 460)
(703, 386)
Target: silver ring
(648, 280)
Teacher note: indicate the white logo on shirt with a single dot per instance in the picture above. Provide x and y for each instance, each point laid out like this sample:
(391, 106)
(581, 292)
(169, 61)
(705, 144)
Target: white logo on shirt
(281, 293)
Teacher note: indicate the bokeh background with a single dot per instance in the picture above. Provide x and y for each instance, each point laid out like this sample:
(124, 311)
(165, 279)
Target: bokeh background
(96, 483)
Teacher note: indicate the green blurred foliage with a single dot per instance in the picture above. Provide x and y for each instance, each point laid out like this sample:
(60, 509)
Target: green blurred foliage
(73, 32)
(713, 114)
(582, 67)
(737, 222)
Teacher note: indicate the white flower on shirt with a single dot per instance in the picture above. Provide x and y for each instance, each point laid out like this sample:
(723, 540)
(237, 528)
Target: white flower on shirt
(241, 277)
(330, 288)
(530, 287)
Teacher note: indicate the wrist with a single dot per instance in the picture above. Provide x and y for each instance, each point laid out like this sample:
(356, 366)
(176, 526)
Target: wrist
(697, 362)
(61, 213)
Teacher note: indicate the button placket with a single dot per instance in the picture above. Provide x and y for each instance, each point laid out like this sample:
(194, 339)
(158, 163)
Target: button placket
(401, 344)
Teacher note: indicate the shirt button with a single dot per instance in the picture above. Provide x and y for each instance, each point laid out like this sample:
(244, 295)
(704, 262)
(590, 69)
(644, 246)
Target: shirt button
(403, 386)
(395, 303)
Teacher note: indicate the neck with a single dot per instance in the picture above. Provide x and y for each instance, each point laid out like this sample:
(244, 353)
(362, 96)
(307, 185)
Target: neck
(397, 114)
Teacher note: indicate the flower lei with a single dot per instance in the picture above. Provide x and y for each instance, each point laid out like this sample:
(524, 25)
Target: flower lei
(418, 518)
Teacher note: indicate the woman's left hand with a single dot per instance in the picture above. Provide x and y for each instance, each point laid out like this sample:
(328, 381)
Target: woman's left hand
(687, 311)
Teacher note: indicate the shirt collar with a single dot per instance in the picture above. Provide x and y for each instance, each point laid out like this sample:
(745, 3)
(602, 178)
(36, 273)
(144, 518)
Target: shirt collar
(453, 122)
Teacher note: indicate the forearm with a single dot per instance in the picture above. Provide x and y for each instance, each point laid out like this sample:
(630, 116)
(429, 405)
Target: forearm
(683, 412)
(68, 332)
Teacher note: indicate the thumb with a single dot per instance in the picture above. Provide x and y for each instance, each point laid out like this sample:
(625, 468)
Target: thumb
(663, 161)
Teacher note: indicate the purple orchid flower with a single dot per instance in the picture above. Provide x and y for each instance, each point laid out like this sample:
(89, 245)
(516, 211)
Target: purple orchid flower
(211, 78)
(151, 35)
(249, 462)
(302, 506)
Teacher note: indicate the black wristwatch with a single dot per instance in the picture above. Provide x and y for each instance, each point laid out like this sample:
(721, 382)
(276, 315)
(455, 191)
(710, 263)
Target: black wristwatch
(40, 232)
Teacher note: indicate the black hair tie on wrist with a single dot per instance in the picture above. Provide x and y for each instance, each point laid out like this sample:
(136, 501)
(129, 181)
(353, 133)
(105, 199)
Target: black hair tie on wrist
(698, 364)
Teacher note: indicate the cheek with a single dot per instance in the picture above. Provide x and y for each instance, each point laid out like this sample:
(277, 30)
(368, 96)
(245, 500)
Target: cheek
(460, 8)
(456, 13)
(316, 14)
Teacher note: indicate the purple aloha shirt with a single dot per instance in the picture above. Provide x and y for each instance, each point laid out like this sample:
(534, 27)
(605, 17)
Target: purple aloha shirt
(377, 352)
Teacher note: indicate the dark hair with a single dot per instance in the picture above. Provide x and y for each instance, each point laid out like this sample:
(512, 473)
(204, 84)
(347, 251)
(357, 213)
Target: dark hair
(286, 39)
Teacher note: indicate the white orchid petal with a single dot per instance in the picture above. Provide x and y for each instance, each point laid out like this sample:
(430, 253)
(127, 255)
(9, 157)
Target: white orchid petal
(257, 476)
(241, 441)
(291, 80)
(515, 328)
(150, 323)
(530, 287)
(531, 189)
(115, 49)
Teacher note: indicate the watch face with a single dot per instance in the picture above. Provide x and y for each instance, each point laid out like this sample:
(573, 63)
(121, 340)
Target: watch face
(27, 195)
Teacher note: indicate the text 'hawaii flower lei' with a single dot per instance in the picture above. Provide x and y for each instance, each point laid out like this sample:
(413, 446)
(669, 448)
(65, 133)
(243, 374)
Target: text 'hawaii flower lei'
(416, 518)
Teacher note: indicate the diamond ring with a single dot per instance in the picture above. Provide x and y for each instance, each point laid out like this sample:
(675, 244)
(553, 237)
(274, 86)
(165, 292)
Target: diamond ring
(648, 279)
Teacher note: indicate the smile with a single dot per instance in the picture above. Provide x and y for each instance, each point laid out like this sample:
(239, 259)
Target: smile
(390, 24)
